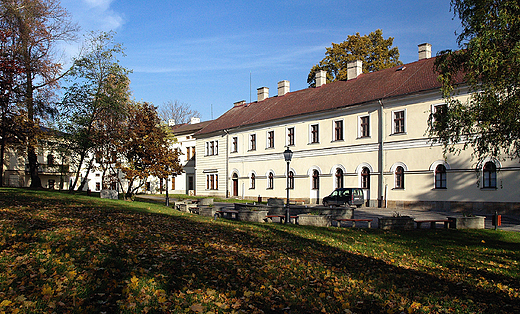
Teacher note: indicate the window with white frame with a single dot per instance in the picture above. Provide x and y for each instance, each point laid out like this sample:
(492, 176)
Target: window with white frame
(338, 130)
(211, 148)
(489, 175)
(399, 177)
(364, 126)
(270, 181)
(212, 181)
(365, 178)
(399, 122)
(314, 133)
(440, 177)
(234, 145)
(290, 136)
(252, 142)
(270, 139)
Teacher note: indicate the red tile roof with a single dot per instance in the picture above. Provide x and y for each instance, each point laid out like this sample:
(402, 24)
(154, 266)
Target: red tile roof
(397, 81)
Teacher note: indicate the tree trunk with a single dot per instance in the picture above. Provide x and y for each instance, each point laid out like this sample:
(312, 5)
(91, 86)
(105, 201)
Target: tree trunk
(2, 151)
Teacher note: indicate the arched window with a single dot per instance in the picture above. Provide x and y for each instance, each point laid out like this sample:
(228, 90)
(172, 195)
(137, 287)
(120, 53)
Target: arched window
(440, 177)
(315, 180)
(365, 178)
(489, 175)
(291, 180)
(270, 181)
(339, 178)
(399, 177)
(253, 181)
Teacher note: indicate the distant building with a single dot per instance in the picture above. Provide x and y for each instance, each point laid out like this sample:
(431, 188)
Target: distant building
(368, 131)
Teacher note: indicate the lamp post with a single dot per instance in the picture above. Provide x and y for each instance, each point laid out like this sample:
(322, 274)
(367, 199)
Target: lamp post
(287, 155)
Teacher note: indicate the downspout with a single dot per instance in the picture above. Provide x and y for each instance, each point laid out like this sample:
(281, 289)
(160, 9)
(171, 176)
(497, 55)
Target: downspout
(380, 164)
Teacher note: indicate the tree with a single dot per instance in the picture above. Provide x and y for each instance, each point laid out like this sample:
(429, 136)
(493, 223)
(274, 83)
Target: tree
(11, 118)
(180, 112)
(376, 53)
(489, 62)
(94, 103)
(37, 26)
(145, 148)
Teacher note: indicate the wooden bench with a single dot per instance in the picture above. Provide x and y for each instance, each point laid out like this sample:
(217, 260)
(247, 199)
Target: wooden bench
(369, 221)
(282, 218)
(433, 223)
(226, 213)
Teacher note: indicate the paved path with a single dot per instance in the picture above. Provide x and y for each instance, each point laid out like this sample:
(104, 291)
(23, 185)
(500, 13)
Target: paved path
(509, 222)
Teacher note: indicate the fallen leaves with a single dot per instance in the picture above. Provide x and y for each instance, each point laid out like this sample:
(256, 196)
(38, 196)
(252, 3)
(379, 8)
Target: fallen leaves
(64, 254)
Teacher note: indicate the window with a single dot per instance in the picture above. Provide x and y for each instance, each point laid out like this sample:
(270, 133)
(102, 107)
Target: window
(440, 177)
(270, 181)
(193, 152)
(291, 180)
(98, 186)
(290, 136)
(339, 178)
(399, 122)
(315, 136)
(211, 148)
(173, 183)
(270, 139)
(253, 181)
(51, 184)
(212, 181)
(364, 126)
(252, 142)
(438, 112)
(315, 180)
(338, 130)
(365, 178)
(399, 178)
(188, 153)
(50, 160)
(234, 145)
(489, 175)
(191, 183)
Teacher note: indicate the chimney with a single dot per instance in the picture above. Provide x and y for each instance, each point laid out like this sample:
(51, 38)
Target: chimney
(194, 120)
(239, 103)
(171, 122)
(263, 93)
(354, 69)
(283, 88)
(425, 51)
(321, 78)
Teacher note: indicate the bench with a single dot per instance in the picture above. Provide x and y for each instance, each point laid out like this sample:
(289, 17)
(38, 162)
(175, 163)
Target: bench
(226, 213)
(369, 221)
(433, 223)
(282, 218)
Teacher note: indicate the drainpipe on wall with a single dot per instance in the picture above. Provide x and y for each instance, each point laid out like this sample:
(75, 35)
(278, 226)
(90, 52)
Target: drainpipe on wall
(380, 164)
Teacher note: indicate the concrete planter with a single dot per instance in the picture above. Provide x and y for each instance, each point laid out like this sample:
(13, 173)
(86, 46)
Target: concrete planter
(476, 222)
(207, 211)
(252, 215)
(392, 223)
(206, 201)
(315, 220)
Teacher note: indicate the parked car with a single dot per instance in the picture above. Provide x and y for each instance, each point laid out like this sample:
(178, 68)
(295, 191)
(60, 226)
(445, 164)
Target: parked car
(345, 197)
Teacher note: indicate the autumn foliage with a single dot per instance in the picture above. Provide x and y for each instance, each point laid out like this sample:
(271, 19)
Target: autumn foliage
(72, 254)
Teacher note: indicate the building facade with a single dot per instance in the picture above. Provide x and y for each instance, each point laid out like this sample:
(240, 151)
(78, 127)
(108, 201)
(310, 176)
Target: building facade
(369, 131)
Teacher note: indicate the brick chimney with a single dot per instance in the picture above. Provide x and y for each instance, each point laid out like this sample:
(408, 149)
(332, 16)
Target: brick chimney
(263, 93)
(171, 122)
(239, 103)
(425, 51)
(283, 88)
(321, 78)
(194, 120)
(354, 69)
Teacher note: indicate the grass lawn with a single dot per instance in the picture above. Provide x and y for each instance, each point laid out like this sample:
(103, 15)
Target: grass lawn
(61, 253)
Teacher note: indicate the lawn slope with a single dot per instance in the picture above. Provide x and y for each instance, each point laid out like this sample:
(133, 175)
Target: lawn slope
(76, 254)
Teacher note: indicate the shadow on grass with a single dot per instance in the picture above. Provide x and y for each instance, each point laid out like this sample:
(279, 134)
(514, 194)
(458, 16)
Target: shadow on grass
(126, 259)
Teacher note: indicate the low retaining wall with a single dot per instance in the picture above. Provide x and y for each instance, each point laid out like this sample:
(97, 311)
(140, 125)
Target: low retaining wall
(476, 222)
(392, 223)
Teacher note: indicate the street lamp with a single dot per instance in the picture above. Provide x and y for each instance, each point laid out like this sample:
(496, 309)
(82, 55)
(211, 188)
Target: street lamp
(287, 155)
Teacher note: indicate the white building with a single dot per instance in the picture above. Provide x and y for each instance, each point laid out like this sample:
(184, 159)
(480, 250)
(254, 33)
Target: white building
(369, 131)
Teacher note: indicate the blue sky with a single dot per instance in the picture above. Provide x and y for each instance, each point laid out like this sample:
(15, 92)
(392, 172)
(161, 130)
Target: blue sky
(204, 53)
